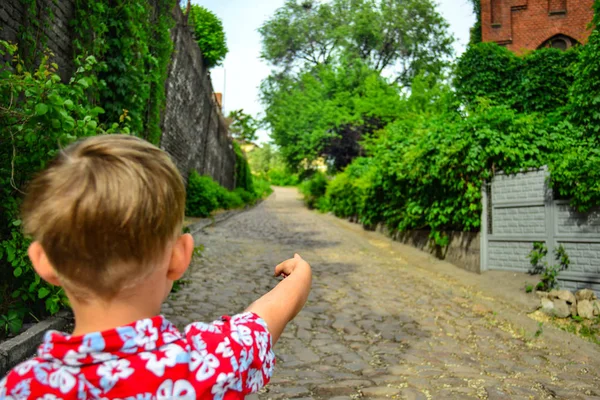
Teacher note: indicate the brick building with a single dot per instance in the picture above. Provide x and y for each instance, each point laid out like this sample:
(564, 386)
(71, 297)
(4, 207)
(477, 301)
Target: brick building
(523, 25)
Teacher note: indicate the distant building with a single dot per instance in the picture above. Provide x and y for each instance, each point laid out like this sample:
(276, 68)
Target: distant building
(523, 25)
(248, 147)
(219, 100)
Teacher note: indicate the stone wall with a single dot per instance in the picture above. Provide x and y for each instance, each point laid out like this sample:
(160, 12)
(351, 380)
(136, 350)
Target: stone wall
(194, 132)
(523, 211)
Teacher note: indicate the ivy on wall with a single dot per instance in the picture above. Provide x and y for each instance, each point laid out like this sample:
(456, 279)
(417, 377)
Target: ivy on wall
(122, 49)
(131, 40)
(476, 35)
(537, 82)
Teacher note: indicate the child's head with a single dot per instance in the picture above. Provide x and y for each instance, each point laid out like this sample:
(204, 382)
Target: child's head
(104, 215)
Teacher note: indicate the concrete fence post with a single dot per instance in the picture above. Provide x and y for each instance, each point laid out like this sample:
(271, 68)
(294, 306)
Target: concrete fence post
(483, 263)
(550, 215)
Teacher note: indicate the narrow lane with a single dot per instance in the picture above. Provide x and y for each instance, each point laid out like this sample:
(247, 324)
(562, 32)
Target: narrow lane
(374, 326)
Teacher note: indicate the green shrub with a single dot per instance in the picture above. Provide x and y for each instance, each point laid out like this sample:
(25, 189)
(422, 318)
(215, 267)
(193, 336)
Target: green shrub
(347, 192)
(245, 196)
(313, 189)
(203, 195)
(262, 188)
(282, 177)
(428, 173)
(229, 200)
(486, 70)
(209, 34)
(39, 114)
(536, 82)
(243, 175)
(585, 93)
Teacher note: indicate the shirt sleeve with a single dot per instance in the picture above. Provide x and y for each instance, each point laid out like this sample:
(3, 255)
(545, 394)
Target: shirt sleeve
(239, 348)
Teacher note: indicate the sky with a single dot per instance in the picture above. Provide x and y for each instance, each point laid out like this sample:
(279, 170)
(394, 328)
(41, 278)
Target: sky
(243, 70)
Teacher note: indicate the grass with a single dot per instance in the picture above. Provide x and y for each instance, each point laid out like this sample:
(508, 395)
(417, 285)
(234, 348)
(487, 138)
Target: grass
(584, 328)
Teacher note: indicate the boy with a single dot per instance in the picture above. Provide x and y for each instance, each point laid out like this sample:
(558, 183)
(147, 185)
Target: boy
(106, 218)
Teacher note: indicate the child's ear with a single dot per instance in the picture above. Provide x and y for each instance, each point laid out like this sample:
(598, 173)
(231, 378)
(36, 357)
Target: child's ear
(181, 256)
(41, 264)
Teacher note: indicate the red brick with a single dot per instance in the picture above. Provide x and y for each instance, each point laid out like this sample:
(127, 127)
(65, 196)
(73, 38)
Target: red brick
(523, 25)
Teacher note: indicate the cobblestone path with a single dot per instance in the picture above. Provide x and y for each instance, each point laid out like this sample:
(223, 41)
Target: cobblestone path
(373, 327)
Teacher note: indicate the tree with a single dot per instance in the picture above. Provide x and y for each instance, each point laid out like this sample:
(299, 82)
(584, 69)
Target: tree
(404, 37)
(325, 112)
(242, 126)
(209, 34)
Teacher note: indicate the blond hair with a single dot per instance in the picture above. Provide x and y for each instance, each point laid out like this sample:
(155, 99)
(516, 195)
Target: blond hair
(104, 211)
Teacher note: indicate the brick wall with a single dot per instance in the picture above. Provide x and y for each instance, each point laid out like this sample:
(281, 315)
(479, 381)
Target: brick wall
(524, 25)
(194, 132)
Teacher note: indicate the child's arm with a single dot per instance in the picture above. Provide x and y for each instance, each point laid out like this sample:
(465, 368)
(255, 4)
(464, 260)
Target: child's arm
(284, 302)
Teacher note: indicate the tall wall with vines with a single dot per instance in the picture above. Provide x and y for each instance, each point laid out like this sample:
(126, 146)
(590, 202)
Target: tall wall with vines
(77, 68)
(194, 131)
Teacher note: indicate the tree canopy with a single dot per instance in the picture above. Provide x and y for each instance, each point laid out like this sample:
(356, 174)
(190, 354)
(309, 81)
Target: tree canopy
(326, 111)
(340, 70)
(242, 126)
(403, 37)
(209, 34)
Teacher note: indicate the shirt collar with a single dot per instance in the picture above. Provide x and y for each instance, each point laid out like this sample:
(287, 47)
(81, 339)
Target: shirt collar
(144, 335)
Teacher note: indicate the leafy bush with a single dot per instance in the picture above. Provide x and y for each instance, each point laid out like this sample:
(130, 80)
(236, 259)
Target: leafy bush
(282, 177)
(39, 114)
(576, 174)
(486, 70)
(536, 82)
(314, 189)
(262, 188)
(210, 36)
(243, 175)
(347, 192)
(427, 173)
(203, 195)
(267, 163)
(233, 199)
(539, 265)
(585, 92)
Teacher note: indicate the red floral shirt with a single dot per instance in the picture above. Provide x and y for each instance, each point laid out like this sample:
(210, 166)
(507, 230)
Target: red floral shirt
(149, 359)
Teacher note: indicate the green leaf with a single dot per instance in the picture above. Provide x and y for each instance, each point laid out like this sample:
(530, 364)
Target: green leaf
(41, 109)
(43, 292)
(83, 82)
(10, 253)
(68, 103)
(15, 323)
(68, 124)
(18, 272)
(17, 222)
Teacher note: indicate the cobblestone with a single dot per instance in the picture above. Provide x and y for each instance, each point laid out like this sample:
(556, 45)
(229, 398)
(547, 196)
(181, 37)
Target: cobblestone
(373, 327)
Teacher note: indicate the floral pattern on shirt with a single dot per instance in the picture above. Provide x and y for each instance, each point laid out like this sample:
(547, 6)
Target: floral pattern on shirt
(149, 360)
